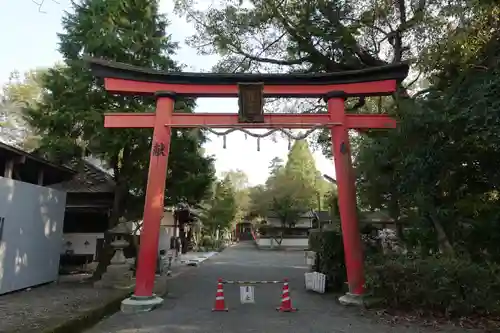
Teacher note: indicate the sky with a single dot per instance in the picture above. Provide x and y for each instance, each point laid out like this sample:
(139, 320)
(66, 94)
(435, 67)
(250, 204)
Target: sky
(29, 41)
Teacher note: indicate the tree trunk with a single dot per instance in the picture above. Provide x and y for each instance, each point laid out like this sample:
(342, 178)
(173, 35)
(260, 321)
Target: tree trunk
(443, 240)
(176, 223)
(394, 213)
(120, 192)
(104, 258)
(182, 236)
(182, 233)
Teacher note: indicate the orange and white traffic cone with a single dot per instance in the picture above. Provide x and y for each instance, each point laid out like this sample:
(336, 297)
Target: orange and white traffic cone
(286, 301)
(220, 304)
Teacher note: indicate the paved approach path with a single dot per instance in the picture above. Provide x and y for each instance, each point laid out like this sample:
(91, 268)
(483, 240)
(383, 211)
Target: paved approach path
(192, 295)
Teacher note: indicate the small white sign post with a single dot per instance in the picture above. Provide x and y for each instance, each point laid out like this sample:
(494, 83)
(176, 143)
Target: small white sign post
(316, 282)
(247, 294)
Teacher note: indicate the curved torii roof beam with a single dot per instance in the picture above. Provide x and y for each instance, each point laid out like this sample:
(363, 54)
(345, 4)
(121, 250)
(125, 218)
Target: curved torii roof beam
(123, 78)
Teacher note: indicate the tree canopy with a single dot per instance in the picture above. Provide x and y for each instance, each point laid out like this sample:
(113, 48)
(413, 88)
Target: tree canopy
(20, 91)
(68, 114)
(437, 170)
(291, 189)
(222, 208)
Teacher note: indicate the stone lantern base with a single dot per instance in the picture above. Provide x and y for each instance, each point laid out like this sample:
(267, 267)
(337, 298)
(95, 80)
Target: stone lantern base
(118, 275)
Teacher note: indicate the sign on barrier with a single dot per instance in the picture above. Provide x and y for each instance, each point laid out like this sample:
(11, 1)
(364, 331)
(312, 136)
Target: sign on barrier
(315, 281)
(247, 294)
(310, 257)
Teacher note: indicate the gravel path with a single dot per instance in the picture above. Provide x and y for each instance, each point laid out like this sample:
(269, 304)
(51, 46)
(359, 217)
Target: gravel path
(188, 306)
(39, 308)
(35, 309)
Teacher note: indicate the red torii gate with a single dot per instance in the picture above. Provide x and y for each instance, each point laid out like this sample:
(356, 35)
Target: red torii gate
(334, 87)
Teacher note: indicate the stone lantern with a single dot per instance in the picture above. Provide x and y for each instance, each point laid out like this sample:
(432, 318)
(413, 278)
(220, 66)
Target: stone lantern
(118, 274)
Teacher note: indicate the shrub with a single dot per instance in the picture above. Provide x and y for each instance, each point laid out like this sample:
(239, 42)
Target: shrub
(329, 256)
(207, 241)
(453, 287)
(217, 244)
(211, 244)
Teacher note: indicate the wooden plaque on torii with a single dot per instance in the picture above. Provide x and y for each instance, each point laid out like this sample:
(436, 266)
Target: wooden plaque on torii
(251, 102)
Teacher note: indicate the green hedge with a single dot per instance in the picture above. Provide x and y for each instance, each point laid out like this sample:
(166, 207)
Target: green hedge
(210, 244)
(454, 287)
(330, 261)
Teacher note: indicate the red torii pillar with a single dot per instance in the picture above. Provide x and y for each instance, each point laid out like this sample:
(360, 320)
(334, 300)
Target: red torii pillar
(123, 78)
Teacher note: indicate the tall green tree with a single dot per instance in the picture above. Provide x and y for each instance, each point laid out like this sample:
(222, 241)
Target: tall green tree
(300, 163)
(239, 183)
(291, 189)
(69, 116)
(238, 179)
(222, 208)
(275, 166)
(301, 166)
(20, 91)
(258, 202)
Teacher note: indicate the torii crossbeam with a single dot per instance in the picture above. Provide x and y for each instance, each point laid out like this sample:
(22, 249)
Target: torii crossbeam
(166, 86)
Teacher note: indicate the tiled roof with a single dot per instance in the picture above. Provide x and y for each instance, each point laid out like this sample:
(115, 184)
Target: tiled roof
(322, 215)
(376, 216)
(89, 179)
(34, 157)
(307, 214)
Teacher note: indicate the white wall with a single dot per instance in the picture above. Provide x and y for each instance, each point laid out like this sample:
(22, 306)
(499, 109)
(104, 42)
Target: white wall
(292, 242)
(78, 243)
(79, 248)
(164, 241)
(304, 223)
(167, 219)
(31, 223)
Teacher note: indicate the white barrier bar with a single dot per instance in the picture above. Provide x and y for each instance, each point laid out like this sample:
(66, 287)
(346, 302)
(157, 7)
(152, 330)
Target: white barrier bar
(250, 282)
